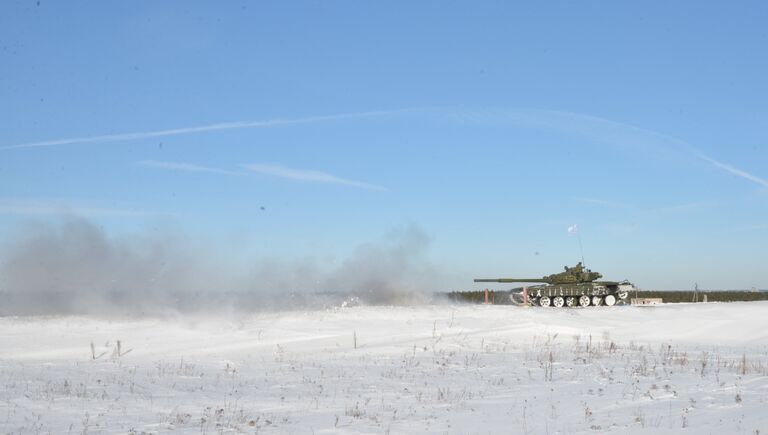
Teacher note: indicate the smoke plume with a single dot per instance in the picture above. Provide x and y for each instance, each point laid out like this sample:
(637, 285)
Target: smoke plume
(75, 267)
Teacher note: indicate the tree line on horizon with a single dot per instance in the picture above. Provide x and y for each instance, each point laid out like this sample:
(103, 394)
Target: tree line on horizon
(671, 296)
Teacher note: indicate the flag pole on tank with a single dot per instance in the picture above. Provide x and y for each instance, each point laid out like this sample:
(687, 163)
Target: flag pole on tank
(574, 229)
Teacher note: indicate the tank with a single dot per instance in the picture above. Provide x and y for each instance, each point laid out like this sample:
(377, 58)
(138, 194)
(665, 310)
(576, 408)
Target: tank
(575, 287)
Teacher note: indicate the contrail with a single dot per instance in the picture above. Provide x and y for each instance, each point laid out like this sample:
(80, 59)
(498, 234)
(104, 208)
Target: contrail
(202, 128)
(735, 171)
(605, 129)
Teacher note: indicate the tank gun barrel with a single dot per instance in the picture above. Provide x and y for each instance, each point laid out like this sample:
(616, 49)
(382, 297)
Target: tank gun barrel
(572, 275)
(512, 280)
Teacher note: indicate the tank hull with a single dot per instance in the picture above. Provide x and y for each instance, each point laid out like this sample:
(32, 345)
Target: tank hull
(575, 295)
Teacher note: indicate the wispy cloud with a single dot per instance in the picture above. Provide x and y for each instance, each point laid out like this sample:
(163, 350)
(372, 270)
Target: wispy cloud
(50, 207)
(307, 175)
(684, 208)
(267, 169)
(606, 130)
(575, 123)
(189, 167)
(598, 201)
(202, 128)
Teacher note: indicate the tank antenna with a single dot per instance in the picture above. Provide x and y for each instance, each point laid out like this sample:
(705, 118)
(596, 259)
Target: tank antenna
(574, 229)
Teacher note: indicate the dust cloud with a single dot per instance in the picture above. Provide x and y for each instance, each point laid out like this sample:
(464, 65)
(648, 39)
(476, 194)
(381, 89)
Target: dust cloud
(73, 266)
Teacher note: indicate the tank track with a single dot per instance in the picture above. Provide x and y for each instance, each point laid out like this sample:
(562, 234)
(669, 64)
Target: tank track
(575, 295)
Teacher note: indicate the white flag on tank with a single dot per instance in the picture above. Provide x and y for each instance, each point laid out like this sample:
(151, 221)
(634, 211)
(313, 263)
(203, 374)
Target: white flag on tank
(573, 229)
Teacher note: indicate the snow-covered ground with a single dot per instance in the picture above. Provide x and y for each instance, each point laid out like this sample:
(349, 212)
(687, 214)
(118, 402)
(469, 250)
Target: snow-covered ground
(426, 369)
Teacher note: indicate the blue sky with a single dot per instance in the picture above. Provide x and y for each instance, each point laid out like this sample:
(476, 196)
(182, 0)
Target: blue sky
(304, 130)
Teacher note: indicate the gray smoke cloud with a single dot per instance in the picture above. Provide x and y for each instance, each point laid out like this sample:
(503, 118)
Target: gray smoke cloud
(75, 267)
(391, 272)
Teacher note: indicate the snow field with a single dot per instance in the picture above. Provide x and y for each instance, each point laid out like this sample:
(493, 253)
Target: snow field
(427, 369)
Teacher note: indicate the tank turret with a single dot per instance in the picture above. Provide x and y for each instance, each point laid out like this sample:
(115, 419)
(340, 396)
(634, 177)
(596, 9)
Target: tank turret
(572, 275)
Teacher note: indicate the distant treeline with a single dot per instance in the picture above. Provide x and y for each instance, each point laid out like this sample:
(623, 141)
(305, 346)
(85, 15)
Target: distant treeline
(712, 296)
(502, 297)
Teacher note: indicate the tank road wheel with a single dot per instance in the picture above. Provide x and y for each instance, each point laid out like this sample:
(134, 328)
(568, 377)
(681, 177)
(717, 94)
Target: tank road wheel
(584, 301)
(597, 301)
(623, 295)
(558, 301)
(610, 300)
(570, 301)
(544, 301)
